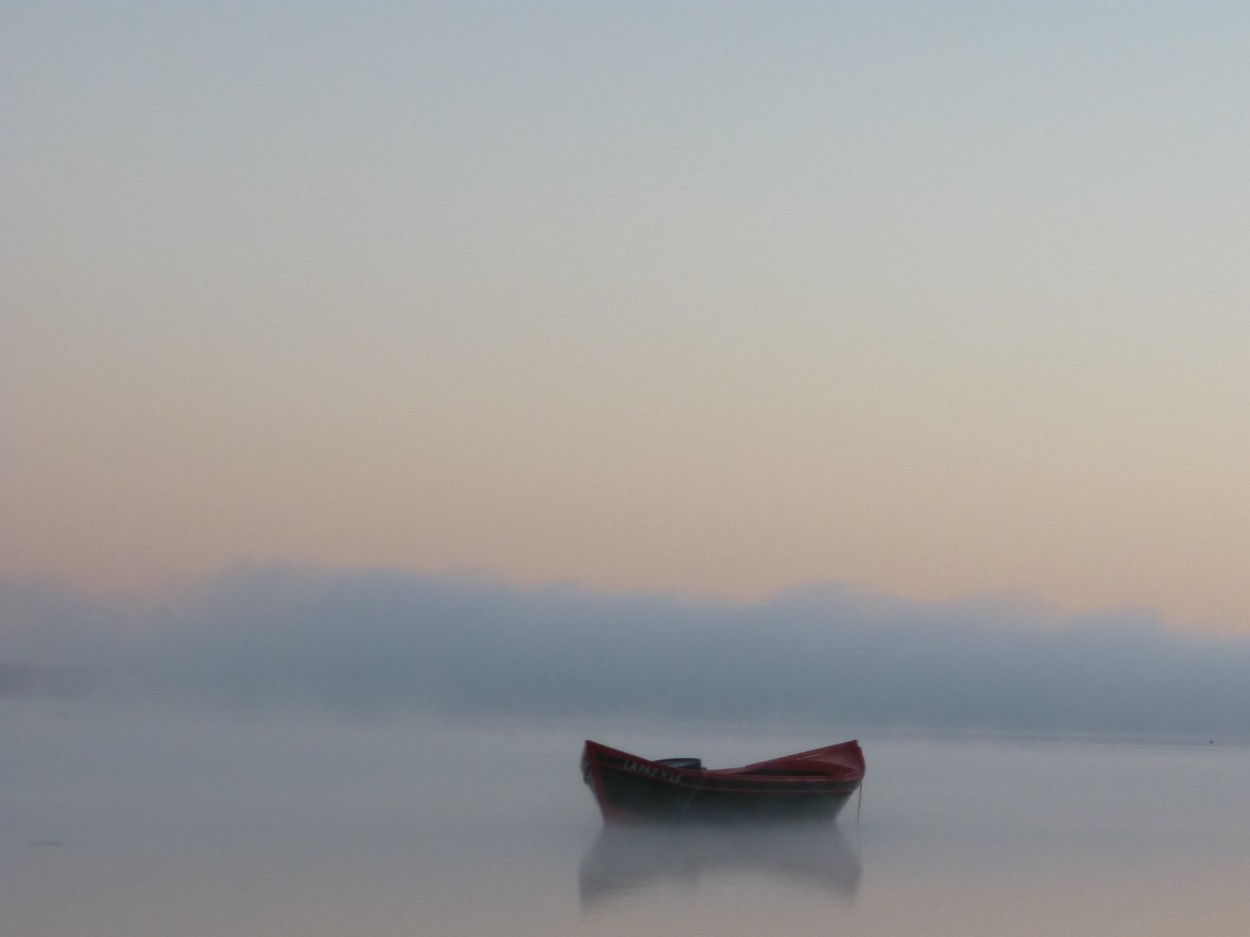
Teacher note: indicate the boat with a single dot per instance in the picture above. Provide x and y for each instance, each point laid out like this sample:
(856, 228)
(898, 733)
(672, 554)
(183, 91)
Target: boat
(810, 785)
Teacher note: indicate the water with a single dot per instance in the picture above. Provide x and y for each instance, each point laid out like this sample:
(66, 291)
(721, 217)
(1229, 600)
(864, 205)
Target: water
(142, 823)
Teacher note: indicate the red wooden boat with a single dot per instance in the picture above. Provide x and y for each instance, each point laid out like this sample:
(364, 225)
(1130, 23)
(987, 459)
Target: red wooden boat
(811, 785)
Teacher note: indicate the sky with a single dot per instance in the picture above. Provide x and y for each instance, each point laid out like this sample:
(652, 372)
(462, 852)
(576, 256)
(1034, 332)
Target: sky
(698, 300)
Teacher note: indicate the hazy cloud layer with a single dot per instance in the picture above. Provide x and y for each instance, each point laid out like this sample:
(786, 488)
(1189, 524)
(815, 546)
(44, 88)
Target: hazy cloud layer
(396, 641)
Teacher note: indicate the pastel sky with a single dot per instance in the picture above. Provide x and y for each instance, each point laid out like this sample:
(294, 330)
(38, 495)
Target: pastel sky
(704, 298)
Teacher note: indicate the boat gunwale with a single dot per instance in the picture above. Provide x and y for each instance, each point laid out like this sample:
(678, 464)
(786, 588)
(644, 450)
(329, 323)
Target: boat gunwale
(844, 774)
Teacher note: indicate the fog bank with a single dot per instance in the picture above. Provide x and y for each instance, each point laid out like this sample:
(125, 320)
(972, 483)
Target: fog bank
(393, 641)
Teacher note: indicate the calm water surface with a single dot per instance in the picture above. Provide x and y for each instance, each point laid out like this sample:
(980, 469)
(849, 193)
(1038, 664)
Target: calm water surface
(141, 823)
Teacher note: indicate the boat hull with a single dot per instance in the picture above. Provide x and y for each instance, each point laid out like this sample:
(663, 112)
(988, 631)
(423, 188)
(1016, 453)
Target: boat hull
(633, 789)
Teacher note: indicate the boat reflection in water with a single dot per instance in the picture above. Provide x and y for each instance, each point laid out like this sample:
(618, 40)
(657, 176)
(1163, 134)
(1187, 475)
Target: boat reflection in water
(628, 859)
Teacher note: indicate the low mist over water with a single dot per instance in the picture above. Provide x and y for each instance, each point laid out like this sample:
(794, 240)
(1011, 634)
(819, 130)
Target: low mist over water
(306, 753)
(392, 642)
